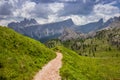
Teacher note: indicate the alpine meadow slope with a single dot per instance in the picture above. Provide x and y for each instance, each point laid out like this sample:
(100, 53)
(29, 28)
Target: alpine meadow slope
(21, 57)
(76, 67)
(105, 43)
(95, 58)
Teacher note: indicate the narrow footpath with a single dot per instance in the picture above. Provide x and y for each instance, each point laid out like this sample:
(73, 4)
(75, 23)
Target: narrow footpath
(51, 70)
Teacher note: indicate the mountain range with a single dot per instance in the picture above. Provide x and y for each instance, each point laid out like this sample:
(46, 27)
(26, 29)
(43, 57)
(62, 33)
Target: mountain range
(94, 26)
(102, 43)
(38, 31)
(44, 32)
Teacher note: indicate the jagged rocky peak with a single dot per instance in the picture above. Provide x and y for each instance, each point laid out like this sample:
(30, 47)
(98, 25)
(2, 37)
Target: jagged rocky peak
(115, 24)
(31, 21)
(69, 20)
(115, 18)
(101, 20)
(24, 23)
(28, 22)
(111, 23)
(68, 34)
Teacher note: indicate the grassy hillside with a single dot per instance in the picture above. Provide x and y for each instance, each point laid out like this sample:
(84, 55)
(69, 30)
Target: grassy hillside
(77, 67)
(95, 58)
(20, 56)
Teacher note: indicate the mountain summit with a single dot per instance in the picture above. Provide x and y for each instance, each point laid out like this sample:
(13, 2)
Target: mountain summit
(94, 26)
(25, 23)
(42, 32)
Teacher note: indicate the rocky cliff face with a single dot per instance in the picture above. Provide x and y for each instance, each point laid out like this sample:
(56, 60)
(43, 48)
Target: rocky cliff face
(31, 28)
(48, 31)
(24, 23)
(90, 27)
(69, 34)
(94, 26)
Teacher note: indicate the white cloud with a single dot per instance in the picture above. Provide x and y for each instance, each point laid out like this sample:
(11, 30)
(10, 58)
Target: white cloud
(5, 22)
(2, 2)
(97, 1)
(84, 1)
(100, 11)
(106, 11)
(67, 0)
(42, 20)
(77, 19)
(55, 7)
(41, 10)
(25, 10)
(50, 19)
(49, 12)
(52, 11)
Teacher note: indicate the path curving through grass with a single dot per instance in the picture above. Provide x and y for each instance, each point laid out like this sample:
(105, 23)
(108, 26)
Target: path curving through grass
(51, 70)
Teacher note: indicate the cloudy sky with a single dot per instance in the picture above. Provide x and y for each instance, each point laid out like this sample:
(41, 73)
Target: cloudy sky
(47, 11)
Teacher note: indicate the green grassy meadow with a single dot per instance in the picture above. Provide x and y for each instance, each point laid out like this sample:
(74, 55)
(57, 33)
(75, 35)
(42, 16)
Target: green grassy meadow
(21, 57)
(76, 67)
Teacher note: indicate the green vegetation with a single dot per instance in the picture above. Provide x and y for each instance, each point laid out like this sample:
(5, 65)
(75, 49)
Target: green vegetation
(20, 56)
(105, 43)
(95, 58)
(77, 67)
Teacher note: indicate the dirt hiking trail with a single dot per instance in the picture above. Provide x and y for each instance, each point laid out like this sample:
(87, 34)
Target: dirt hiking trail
(51, 70)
